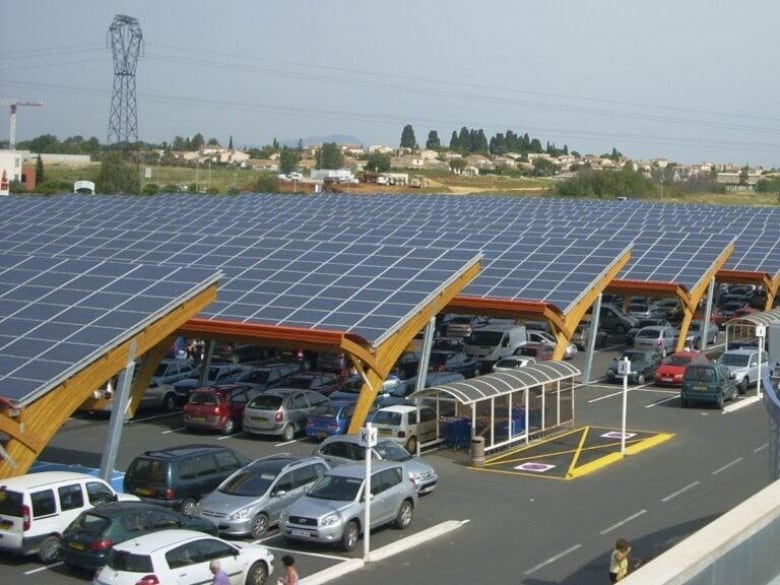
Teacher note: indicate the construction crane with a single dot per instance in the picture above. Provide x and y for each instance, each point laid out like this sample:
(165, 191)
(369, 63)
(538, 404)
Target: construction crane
(15, 104)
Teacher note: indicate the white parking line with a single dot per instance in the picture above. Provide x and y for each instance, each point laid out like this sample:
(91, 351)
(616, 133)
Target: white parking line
(153, 417)
(289, 442)
(725, 467)
(44, 568)
(552, 559)
(173, 430)
(662, 401)
(622, 522)
(233, 436)
(678, 492)
(760, 447)
(742, 403)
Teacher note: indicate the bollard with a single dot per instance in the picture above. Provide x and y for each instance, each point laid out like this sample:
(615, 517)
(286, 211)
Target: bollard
(478, 451)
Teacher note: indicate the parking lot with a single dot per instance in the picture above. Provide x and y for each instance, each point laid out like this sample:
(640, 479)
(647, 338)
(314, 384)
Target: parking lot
(560, 531)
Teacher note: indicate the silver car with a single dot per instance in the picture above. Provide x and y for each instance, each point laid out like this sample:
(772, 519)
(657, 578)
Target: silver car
(332, 511)
(249, 502)
(281, 411)
(343, 449)
(743, 363)
(661, 338)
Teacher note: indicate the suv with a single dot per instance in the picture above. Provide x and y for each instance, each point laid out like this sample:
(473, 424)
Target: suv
(35, 509)
(711, 382)
(249, 502)
(220, 408)
(281, 411)
(177, 477)
(614, 320)
(743, 363)
(332, 512)
(399, 422)
(87, 542)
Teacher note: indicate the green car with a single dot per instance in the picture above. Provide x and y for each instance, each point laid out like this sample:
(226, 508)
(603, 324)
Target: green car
(712, 383)
(87, 542)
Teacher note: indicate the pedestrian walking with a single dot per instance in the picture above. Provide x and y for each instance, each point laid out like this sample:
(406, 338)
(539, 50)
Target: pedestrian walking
(290, 575)
(220, 576)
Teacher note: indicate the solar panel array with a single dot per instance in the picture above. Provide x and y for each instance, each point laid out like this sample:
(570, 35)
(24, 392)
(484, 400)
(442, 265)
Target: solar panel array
(58, 314)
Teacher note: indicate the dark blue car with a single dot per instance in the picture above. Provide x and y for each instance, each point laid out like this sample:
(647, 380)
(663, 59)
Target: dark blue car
(330, 419)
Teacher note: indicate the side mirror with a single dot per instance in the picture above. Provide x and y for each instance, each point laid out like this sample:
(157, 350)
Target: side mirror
(279, 493)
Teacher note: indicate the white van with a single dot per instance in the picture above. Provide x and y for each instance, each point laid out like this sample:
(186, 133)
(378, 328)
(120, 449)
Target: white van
(492, 342)
(36, 508)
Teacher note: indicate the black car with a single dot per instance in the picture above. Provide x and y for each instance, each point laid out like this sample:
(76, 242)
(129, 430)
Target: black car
(177, 477)
(453, 361)
(87, 542)
(407, 365)
(644, 363)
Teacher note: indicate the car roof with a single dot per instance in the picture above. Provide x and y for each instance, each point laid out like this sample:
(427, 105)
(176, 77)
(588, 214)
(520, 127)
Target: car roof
(42, 478)
(740, 351)
(276, 463)
(183, 450)
(401, 408)
(122, 507)
(162, 539)
(359, 469)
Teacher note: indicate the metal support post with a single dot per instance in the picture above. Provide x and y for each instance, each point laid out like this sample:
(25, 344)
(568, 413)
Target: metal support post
(118, 413)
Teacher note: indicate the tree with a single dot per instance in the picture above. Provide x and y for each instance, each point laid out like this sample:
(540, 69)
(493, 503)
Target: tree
(230, 143)
(378, 162)
(407, 137)
(454, 143)
(330, 156)
(118, 175)
(458, 164)
(433, 142)
(197, 142)
(288, 160)
(40, 176)
(213, 142)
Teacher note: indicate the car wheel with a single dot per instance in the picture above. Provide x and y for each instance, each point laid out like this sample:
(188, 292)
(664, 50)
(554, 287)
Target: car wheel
(260, 524)
(640, 379)
(685, 402)
(411, 445)
(719, 401)
(476, 372)
(288, 433)
(404, 517)
(49, 551)
(188, 506)
(229, 427)
(169, 402)
(257, 574)
(743, 385)
(350, 537)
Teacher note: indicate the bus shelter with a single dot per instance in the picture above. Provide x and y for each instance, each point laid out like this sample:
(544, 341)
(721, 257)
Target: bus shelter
(504, 408)
(741, 331)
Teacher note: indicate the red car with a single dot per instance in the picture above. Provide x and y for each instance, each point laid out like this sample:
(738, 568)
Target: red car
(672, 368)
(218, 408)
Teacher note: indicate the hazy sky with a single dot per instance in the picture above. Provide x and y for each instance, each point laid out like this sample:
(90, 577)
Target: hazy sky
(686, 80)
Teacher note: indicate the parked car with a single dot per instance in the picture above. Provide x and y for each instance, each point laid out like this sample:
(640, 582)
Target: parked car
(431, 379)
(392, 386)
(87, 542)
(641, 324)
(407, 365)
(281, 412)
(711, 382)
(183, 557)
(672, 368)
(536, 336)
(661, 338)
(249, 502)
(332, 511)
(541, 352)
(160, 393)
(347, 449)
(269, 375)
(399, 422)
(728, 310)
(696, 331)
(177, 477)
(36, 508)
(580, 337)
(219, 408)
(743, 363)
(668, 308)
(462, 325)
(442, 360)
(512, 363)
(219, 373)
(330, 418)
(644, 363)
(322, 382)
(614, 320)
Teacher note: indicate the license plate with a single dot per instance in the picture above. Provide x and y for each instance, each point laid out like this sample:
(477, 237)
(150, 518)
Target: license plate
(261, 422)
(384, 432)
(199, 418)
(76, 545)
(321, 435)
(300, 532)
(5, 524)
(144, 491)
(667, 379)
(700, 387)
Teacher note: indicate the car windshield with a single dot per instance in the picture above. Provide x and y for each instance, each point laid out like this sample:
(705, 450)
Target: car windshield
(336, 487)
(648, 333)
(326, 410)
(481, 337)
(385, 417)
(510, 363)
(678, 360)
(121, 560)
(204, 399)
(266, 402)
(303, 382)
(250, 483)
(90, 523)
(633, 356)
(734, 359)
(392, 451)
(700, 373)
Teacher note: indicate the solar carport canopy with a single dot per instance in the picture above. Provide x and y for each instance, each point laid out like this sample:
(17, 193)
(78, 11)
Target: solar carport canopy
(498, 384)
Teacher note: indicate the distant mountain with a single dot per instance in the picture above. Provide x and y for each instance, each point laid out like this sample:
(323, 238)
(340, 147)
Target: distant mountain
(309, 140)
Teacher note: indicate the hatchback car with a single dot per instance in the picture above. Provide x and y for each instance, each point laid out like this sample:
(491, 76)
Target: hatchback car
(641, 324)
(183, 557)
(712, 383)
(249, 502)
(269, 375)
(662, 339)
(220, 408)
(512, 363)
(332, 511)
(331, 418)
(322, 382)
(442, 360)
(281, 412)
(743, 363)
(347, 449)
(218, 373)
(399, 422)
(672, 368)
(541, 352)
(160, 392)
(87, 542)
(177, 477)
(644, 363)
(696, 332)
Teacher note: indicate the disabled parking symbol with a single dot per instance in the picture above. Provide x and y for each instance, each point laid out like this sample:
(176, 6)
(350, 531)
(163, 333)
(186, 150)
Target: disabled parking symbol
(534, 467)
(618, 435)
